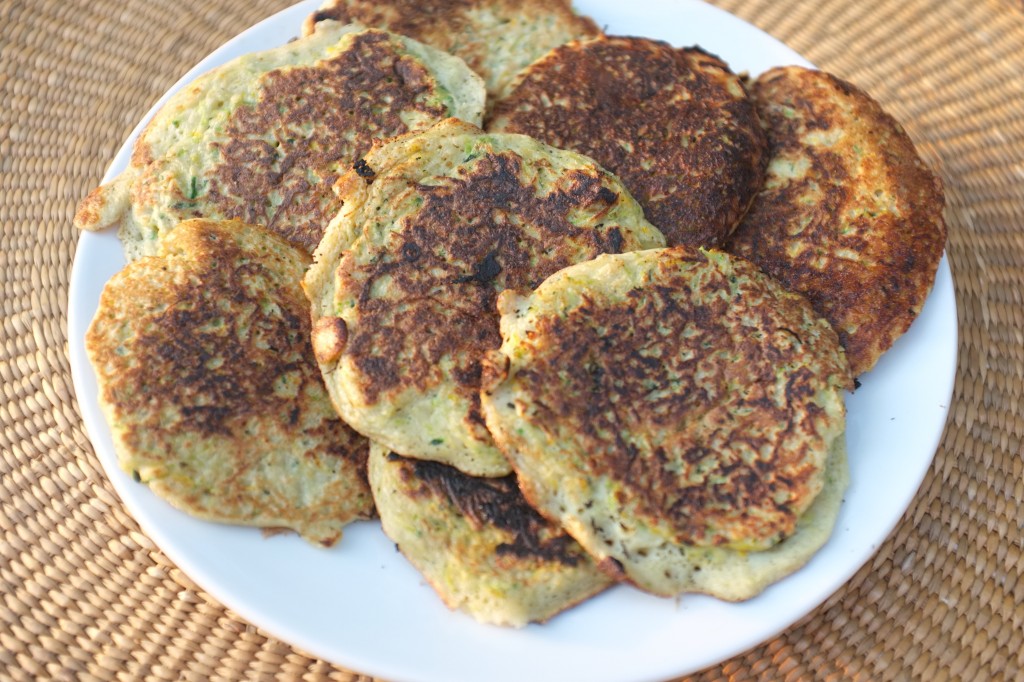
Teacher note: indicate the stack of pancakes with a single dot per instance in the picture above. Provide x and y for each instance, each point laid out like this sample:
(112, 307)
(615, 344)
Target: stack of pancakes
(562, 309)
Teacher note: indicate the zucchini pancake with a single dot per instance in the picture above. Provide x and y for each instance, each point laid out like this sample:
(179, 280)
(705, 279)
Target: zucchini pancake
(678, 413)
(850, 216)
(208, 381)
(478, 543)
(496, 38)
(675, 124)
(403, 286)
(263, 138)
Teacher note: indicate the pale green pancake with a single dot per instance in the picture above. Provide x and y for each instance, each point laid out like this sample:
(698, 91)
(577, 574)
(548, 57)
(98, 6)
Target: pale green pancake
(208, 382)
(434, 226)
(674, 410)
(478, 543)
(262, 138)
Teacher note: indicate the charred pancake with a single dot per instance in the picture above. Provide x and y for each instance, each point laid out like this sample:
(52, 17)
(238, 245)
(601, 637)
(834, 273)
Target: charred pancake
(434, 225)
(674, 410)
(479, 545)
(850, 216)
(496, 38)
(209, 384)
(262, 139)
(675, 124)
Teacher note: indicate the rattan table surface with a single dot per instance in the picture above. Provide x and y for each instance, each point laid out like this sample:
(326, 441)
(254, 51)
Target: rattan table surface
(86, 595)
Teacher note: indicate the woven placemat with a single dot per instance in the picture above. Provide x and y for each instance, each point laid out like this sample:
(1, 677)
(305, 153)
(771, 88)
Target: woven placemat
(85, 595)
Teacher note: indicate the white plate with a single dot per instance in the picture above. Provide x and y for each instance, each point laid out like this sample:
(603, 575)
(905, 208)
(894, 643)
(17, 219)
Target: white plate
(362, 606)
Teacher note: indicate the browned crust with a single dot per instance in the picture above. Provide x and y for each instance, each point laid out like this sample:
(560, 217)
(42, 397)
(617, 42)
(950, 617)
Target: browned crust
(210, 373)
(209, 344)
(277, 174)
(675, 124)
(666, 392)
(860, 233)
(490, 503)
(474, 236)
(448, 24)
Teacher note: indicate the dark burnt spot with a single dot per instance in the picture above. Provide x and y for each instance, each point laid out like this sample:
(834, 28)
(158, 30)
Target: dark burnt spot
(310, 124)
(364, 171)
(607, 195)
(332, 13)
(673, 396)
(665, 120)
(614, 240)
(800, 386)
(490, 504)
(484, 271)
(694, 454)
(474, 236)
(411, 252)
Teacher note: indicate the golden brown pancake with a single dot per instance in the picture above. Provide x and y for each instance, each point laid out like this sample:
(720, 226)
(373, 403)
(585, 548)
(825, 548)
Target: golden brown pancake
(434, 226)
(850, 216)
(668, 406)
(478, 543)
(675, 124)
(263, 137)
(496, 38)
(208, 381)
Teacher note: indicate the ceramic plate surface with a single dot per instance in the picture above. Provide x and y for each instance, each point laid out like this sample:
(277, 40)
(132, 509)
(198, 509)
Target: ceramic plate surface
(362, 606)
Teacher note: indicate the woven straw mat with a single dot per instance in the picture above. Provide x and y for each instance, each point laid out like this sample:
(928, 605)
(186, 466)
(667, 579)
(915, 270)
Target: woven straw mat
(85, 595)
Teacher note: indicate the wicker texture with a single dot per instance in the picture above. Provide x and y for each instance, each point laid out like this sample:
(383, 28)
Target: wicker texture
(87, 596)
